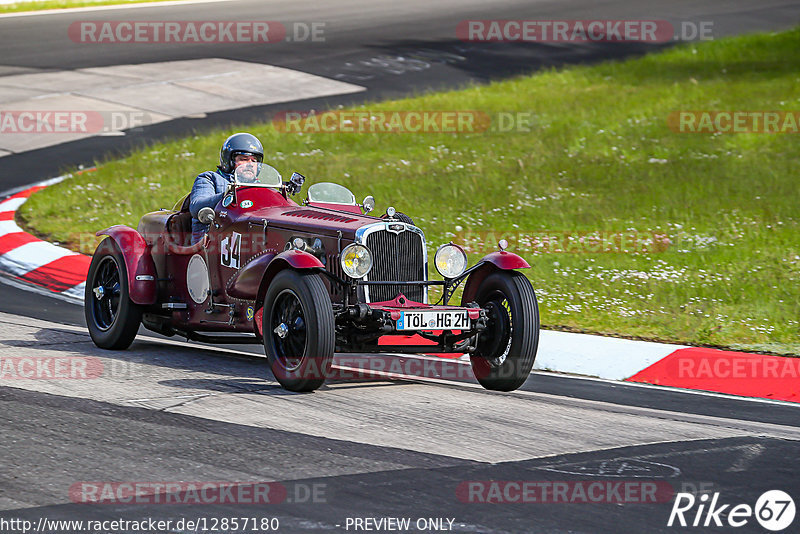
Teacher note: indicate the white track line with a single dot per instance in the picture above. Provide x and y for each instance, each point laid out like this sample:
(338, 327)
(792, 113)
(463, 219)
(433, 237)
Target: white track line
(446, 382)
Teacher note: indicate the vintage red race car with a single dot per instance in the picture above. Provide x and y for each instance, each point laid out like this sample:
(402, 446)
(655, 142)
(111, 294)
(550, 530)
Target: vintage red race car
(307, 280)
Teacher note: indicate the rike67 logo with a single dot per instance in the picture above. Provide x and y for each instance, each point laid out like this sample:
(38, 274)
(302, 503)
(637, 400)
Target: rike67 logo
(774, 510)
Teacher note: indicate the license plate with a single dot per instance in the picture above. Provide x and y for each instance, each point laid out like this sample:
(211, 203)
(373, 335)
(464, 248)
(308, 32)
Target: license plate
(434, 320)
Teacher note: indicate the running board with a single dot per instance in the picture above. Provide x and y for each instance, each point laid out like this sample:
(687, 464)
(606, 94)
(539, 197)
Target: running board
(222, 340)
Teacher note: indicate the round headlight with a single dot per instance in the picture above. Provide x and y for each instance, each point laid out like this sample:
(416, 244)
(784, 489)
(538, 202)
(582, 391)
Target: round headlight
(356, 260)
(450, 260)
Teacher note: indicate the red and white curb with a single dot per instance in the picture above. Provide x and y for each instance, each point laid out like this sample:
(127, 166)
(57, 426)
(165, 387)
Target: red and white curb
(735, 373)
(28, 259)
(62, 273)
(662, 364)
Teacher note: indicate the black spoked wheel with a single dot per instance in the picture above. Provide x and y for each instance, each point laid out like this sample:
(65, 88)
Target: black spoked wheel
(112, 318)
(507, 349)
(298, 328)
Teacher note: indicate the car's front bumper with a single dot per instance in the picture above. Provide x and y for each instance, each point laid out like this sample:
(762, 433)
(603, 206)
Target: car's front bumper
(360, 325)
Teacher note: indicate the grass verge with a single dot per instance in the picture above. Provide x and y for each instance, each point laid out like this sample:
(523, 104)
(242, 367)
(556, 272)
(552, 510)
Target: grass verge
(598, 157)
(19, 7)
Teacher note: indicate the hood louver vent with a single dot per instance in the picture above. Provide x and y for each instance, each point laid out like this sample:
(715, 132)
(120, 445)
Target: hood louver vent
(321, 216)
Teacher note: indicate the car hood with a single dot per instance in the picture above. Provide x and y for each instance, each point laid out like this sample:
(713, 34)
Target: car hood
(312, 219)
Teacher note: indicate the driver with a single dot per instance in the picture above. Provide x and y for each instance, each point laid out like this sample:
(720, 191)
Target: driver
(210, 186)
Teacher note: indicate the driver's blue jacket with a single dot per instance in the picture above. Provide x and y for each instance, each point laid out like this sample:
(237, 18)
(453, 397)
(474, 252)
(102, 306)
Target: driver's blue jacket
(207, 191)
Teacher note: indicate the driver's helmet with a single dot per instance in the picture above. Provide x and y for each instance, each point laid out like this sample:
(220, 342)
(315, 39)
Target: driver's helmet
(240, 143)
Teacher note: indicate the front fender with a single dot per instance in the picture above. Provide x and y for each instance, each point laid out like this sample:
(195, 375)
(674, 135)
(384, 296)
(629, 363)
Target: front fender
(142, 278)
(496, 261)
(505, 260)
(299, 259)
(247, 281)
(253, 281)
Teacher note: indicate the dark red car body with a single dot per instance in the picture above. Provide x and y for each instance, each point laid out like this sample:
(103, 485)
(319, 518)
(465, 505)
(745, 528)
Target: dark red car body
(214, 290)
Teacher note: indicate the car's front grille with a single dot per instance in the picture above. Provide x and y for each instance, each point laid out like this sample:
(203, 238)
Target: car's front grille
(396, 257)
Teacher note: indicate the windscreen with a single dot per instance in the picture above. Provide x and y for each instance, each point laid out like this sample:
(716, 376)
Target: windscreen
(331, 193)
(257, 174)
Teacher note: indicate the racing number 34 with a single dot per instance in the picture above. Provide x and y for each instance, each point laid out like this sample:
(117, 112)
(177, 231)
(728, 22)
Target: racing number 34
(230, 249)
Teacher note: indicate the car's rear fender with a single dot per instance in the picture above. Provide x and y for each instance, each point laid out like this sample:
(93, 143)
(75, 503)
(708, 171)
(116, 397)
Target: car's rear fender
(288, 259)
(496, 261)
(142, 278)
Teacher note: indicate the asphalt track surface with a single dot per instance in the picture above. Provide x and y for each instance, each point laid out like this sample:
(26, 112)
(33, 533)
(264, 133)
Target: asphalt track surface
(372, 448)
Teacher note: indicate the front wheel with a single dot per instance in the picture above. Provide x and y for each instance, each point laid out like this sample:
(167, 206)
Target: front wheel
(112, 317)
(507, 348)
(299, 330)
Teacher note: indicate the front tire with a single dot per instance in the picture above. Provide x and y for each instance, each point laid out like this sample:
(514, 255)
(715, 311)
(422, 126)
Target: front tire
(112, 317)
(507, 348)
(299, 330)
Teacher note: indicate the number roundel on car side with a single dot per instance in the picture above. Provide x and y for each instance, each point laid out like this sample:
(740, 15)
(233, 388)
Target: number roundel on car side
(197, 279)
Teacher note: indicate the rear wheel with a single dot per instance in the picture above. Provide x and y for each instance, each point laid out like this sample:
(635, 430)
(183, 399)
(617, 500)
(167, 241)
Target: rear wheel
(298, 327)
(112, 317)
(507, 348)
